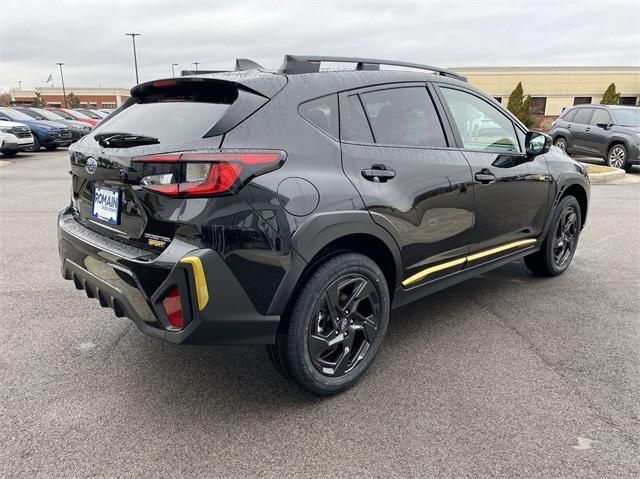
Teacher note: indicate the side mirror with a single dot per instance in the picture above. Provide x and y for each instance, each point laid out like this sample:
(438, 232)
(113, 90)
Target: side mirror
(604, 126)
(537, 143)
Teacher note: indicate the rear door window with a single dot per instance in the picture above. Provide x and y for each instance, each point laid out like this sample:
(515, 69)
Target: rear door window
(356, 126)
(404, 116)
(323, 113)
(569, 116)
(583, 115)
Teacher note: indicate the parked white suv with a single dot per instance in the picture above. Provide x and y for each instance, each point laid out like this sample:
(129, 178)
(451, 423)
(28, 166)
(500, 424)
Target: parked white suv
(14, 137)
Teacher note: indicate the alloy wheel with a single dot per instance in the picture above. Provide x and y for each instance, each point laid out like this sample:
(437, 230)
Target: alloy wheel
(616, 157)
(344, 325)
(565, 239)
(560, 143)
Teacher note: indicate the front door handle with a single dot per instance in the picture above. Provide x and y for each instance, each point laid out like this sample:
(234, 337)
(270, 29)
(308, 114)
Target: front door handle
(378, 173)
(588, 128)
(568, 127)
(485, 177)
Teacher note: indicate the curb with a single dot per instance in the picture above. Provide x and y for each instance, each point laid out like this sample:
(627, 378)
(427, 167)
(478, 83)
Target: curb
(615, 175)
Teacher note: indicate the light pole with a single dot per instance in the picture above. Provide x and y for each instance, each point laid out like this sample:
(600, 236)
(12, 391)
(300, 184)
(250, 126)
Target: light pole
(20, 85)
(196, 64)
(64, 92)
(135, 58)
(173, 73)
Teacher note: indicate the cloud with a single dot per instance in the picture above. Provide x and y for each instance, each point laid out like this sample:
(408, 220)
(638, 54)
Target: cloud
(89, 36)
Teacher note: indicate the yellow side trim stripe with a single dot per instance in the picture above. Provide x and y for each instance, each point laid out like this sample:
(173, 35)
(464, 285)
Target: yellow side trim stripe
(499, 249)
(450, 264)
(202, 291)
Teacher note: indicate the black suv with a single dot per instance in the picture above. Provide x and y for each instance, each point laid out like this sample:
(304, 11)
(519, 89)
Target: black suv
(609, 132)
(296, 208)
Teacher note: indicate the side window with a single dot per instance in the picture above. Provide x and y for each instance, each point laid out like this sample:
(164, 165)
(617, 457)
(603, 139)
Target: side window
(404, 116)
(570, 116)
(323, 113)
(583, 115)
(600, 116)
(356, 127)
(481, 126)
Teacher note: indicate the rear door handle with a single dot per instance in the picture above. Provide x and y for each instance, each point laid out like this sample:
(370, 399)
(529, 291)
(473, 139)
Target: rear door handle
(569, 127)
(485, 177)
(378, 173)
(588, 128)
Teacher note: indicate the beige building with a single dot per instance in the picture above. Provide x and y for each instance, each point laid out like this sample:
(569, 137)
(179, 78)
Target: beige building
(554, 88)
(89, 97)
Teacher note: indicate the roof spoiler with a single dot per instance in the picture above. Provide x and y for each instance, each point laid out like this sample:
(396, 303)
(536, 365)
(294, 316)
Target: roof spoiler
(298, 64)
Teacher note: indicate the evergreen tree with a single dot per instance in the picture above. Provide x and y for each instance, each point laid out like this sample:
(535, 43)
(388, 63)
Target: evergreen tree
(73, 101)
(37, 102)
(610, 96)
(515, 100)
(525, 116)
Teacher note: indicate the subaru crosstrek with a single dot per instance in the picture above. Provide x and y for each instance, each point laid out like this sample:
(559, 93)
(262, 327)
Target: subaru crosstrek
(296, 208)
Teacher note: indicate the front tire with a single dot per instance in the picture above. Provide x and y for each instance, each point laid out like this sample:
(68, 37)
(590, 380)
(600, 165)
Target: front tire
(617, 157)
(561, 143)
(561, 241)
(335, 326)
(36, 144)
(10, 153)
(51, 147)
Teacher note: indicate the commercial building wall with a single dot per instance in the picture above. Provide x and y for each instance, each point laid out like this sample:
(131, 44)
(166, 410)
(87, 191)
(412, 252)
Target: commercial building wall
(89, 97)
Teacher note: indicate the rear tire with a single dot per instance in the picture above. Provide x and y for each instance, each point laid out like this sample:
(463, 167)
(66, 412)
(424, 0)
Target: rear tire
(335, 326)
(51, 147)
(561, 241)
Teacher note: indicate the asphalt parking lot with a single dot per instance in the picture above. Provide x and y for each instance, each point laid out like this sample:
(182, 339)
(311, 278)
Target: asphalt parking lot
(505, 375)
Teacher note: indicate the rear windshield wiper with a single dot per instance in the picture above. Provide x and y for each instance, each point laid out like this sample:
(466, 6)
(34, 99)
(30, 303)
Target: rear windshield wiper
(124, 140)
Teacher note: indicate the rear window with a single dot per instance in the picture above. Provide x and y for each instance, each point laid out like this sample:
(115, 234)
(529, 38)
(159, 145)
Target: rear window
(169, 122)
(323, 113)
(569, 116)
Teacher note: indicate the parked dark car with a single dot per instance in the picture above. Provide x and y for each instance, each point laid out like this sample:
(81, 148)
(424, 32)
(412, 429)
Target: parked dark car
(296, 208)
(48, 134)
(78, 128)
(604, 131)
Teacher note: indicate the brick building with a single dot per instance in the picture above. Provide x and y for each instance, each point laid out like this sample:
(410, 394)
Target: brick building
(89, 97)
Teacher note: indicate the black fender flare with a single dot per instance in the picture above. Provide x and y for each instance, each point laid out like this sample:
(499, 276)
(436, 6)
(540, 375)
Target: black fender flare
(317, 232)
(564, 182)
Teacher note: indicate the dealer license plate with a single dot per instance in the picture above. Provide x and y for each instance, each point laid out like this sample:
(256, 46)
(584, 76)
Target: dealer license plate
(106, 204)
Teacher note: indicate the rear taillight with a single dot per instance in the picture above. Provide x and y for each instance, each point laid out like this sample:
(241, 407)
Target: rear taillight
(208, 173)
(173, 308)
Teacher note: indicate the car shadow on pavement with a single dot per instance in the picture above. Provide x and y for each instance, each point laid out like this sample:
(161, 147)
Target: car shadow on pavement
(243, 376)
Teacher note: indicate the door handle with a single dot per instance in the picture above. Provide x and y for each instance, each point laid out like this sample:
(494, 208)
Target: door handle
(378, 173)
(588, 128)
(485, 177)
(568, 127)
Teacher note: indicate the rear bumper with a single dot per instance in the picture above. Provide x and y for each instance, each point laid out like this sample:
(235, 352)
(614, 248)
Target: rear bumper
(133, 283)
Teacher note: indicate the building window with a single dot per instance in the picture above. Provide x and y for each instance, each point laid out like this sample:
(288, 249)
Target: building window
(627, 100)
(498, 99)
(582, 100)
(538, 105)
(108, 105)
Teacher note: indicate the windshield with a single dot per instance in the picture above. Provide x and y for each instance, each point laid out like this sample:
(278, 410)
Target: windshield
(15, 114)
(63, 114)
(32, 114)
(48, 115)
(81, 115)
(627, 116)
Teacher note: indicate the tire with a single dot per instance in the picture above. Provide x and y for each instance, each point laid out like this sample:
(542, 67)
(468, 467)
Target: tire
(617, 157)
(10, 153)
(36, 144)
(335, 326)
(561, 143)
(561, 241)
(51, 147)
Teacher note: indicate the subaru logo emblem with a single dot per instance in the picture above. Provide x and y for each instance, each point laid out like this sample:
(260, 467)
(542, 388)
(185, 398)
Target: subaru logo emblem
(91, 165)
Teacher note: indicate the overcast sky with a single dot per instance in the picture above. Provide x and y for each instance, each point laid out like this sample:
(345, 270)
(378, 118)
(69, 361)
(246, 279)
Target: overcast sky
(89, 36)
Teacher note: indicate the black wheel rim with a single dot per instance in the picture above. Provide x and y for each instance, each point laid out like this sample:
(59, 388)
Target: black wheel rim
(566, 236)
(344, 325)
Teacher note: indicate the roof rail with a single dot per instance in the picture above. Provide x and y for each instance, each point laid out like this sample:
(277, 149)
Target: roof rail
(243, 64)
(297, 64)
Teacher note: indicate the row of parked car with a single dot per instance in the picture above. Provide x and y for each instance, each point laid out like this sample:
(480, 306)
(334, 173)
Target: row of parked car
(28, 128)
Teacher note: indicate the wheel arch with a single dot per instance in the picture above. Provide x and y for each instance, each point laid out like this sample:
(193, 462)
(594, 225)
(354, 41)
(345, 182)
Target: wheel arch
(327, 234)
(616, 141)
(579, 193)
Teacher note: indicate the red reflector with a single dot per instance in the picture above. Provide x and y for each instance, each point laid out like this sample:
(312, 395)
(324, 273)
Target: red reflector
(173, 307)
(164, 83)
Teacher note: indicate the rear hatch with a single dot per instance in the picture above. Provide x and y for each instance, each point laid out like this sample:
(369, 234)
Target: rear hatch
(111, 191)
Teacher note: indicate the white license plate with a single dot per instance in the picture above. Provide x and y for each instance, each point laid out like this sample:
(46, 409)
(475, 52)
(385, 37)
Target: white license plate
(106, 204)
